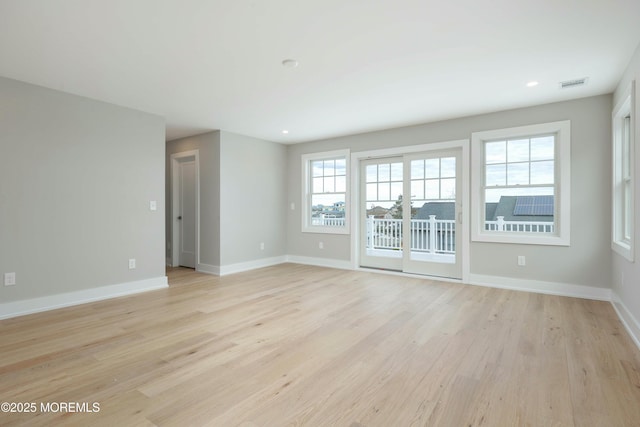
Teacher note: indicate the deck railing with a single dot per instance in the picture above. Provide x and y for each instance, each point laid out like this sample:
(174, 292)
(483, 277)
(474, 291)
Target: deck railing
(527, 226)
(435, 236)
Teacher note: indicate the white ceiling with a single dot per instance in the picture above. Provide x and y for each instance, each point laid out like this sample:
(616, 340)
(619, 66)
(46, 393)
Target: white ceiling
(364, 64)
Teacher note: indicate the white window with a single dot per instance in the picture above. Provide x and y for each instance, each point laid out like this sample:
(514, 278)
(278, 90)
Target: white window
(623, 176)
(325, 192)
(521, 184)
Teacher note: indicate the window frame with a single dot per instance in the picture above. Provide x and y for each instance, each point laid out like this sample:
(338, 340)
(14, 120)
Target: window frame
(307, 159)
(622, 208)
(562, 184)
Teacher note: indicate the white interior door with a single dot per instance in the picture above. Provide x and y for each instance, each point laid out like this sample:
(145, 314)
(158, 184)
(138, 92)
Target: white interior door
(414, 233)
(187, 213)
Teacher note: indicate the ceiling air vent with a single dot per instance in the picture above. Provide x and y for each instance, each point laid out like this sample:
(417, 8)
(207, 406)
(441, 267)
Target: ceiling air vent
(573, 83)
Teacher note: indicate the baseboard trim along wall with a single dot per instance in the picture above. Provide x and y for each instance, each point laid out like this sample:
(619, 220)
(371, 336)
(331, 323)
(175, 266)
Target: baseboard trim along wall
(320, 262)
(631, 324)
(51, 302)
(208, 268)
(541, 287)
(35, 305)
(251, 265)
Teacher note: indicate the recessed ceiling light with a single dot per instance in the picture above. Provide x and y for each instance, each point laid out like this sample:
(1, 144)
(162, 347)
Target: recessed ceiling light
(532, 83)
(284, 131)
(290, 63)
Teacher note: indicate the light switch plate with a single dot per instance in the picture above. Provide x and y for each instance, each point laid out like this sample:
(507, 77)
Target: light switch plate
(9, 279)
(153, 205)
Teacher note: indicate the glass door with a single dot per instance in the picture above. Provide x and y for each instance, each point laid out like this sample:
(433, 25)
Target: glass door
(432, 213)
(414, 233)
(381, 210)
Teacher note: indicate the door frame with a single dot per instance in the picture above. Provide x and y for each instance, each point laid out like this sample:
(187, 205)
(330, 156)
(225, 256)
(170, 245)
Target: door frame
(356, 157)
(176, 159)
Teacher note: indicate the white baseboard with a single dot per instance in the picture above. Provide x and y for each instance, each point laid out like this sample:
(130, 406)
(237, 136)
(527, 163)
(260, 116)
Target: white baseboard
(208, 268)
(51, 302)
(631, 324)
(320, 262)
(251, 265)
(537, 286)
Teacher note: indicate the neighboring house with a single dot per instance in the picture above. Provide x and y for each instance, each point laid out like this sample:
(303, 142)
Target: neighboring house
(521, 208)
(510, 208)
(378, 212)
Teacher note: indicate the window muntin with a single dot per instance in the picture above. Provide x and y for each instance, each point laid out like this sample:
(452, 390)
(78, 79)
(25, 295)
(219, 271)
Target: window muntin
(623, 177)
(433, 179)
(523, 180)
(518, 172)
(326, 192)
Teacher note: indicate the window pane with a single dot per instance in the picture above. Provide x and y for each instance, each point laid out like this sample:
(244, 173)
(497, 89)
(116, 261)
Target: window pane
(329, 184)
(417, 189)
(517, 173)
(396, 171)
(417, 169)
(432, 189)
(519, 210)
(542, 148)
(372, 173)
(396, 190)
(496, 175)
(384, 191)
(626, 213)
(341, 167)
(448, 167)
(384, 172)
(518, 150)
(341, 184)
(542, 172)
(316, 168)
(318, 186)
(372, 191)
(329, 167)
(432, 168)
(448, 188)
(495, 152)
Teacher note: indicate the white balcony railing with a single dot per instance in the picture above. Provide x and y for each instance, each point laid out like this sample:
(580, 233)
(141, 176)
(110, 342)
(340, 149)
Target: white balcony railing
(427, 235)
(519, 226)
(328, 221)
(434, 236)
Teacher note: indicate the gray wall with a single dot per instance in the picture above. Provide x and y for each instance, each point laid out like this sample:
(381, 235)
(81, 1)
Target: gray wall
(585, 262)
(76, 178)
(208, 146)
(252, 199)
(242, 197)
(629, 291)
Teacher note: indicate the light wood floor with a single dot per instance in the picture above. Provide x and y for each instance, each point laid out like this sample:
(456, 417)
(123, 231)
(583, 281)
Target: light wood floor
(296, 345)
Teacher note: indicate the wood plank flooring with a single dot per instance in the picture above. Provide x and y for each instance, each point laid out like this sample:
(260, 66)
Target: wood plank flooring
(295, 345)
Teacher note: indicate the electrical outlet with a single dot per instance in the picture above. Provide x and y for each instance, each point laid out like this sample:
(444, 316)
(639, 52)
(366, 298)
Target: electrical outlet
(522, 260)
(9, 279)
(153, 205)
(262, 246)
(321, 245)
(132, 263)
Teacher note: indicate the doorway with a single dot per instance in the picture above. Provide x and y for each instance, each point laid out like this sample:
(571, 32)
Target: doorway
(185, 208)
(410, 213)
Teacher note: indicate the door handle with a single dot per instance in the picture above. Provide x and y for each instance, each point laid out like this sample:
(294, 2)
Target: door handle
(180, 217)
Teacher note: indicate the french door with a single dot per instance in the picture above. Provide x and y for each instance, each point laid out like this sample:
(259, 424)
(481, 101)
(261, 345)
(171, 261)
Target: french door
(409, 209)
